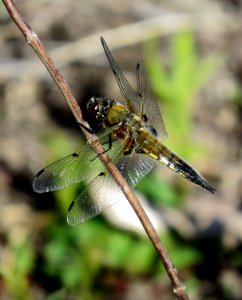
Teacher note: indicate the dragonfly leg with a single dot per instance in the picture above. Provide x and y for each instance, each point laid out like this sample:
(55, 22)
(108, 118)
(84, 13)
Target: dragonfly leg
(90, 130)
(129, 146)
(109, 142)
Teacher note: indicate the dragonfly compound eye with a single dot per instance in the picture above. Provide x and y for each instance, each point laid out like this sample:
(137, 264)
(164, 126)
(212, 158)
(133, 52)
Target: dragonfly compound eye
(105, 102)
(91, 102)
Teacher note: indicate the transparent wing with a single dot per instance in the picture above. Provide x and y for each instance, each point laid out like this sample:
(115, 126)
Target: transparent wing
(129, 96)
(134, 167)
(67, 171)
(141, 103)
(84, 164)
(102, 191)
(147, 104)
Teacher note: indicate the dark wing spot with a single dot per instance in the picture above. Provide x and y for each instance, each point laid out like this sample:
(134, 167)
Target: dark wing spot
(75, 154)
(153, 131)
(102, 174)
(145, 117)
(71, 205)
(40, 172)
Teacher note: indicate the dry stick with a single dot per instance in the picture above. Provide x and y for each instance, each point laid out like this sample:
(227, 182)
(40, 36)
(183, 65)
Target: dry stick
(33, 40)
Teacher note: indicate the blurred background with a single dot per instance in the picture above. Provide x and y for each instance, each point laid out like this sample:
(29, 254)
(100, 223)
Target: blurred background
(192, 54)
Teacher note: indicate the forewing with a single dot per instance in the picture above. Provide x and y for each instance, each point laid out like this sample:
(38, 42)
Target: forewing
(72, 169)
(129, 96)
(148, 105)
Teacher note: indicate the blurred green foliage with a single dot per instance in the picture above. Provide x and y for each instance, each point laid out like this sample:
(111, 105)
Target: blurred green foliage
(16, 271)
(176, 85)
(80, 255)
(158, 191)
(237, 97)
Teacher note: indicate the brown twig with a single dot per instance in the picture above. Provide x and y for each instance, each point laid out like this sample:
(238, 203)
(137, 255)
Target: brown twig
(33, 40)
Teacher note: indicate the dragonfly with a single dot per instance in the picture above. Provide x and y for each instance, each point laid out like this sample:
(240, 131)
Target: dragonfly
(131, 131)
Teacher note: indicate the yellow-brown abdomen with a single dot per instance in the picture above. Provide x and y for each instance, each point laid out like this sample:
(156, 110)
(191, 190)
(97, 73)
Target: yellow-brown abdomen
(151, 146)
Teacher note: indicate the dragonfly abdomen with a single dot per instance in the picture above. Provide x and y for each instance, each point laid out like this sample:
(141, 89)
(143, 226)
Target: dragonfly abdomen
(183, 169)
(151, 146)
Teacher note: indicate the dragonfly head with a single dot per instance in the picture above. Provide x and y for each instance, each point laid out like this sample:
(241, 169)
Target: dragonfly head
(98, 107)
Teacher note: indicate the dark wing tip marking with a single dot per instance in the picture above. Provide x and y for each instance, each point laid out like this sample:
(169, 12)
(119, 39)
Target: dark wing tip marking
(103, 43)
(39, 173)
(71, 205)
(109, 55)
(75, 154)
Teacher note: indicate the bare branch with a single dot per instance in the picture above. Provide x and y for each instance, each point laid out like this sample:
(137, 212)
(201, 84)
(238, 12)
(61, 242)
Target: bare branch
(35, 43)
